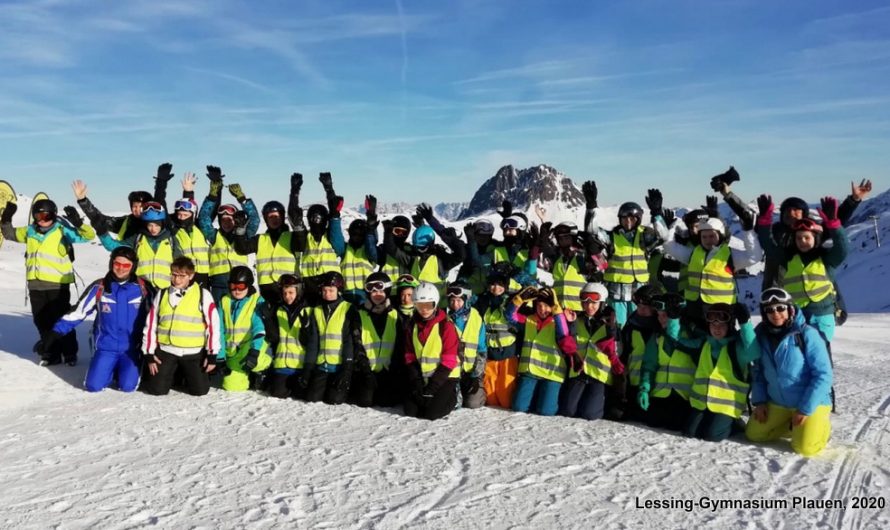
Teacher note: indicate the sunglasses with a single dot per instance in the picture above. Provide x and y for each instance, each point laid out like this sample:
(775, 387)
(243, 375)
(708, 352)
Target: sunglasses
(125, 265)
(152, 207)
(591, 297)
(399, 231)
(718, 316)
(44, 216)
(237, 286)
(185, 206)
(459, 291)
(778, 308)
(226, 209)
(370, 287)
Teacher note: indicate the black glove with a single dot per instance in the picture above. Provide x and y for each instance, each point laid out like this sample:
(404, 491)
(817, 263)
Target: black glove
(73, 216)
(470, 232)
(415, 382)
(250, 360)
(506, 209)
(435, 382)
(591, 244)
(741, 312)
(532, 235)
(165, 172)
(296, 184)
(326, 182)
(674, 304)
(417, 220)
(44, 346)
(577, 362)
(654, 201)
(8, 212)
(304, 376)
(344, 378)
(544, 235)
(240, 218)
(765, 205)
(711, 206)
(387, 227)
(214, 174)
(212, 361)
(828, 206)
(669, 217)
(371, 209)
(335, 204)
(426, 211)
(721, 183)
(607, 312)
(363, 364)
(590, 193)
(469, 384)
(449, 234)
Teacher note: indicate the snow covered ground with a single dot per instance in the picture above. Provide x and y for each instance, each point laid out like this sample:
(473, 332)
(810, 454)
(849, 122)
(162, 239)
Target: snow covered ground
(76, 460)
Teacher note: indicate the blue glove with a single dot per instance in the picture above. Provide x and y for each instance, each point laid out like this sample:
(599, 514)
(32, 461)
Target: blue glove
(643, 398)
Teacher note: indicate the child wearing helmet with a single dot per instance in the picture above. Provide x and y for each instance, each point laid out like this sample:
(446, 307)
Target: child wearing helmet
(241, 315)
(792, 379)
(548, 350)
(502, 341)
(592, 369)
(292, 333)
(49, 270)
(359, 258)
(336, 322)
(473, 345)
(431, 357)
(379, 362)
(324, 244)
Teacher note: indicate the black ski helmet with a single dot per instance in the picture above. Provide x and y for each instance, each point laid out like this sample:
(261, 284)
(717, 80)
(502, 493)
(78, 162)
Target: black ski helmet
(317, 212)
(647, 293)
(273, 206)
(692, 217)
(139, 196)
(400, 221)
(631, 209)
(794, 203)
(45, 206)
(241, 274)
(358, 228)
(381, 277)
(331, 279)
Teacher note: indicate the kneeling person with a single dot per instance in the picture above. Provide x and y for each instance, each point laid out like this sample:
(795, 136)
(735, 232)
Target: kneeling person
(246, 348)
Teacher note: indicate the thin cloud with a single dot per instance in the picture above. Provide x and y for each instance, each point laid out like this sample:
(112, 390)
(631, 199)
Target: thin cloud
(233, 78)
(529, 70)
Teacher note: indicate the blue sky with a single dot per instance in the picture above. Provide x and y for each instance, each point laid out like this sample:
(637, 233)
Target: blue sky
(425, 100)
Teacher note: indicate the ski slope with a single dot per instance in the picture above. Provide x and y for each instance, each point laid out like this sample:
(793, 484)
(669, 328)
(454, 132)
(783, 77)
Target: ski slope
(77, 460)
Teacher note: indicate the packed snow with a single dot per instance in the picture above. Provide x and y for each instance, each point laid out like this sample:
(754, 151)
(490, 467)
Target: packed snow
(72, 459)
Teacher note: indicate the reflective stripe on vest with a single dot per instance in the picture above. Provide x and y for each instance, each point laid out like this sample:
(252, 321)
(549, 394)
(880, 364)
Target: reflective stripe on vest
(541, 356)
(628, 263)
(319, 257)
(716, 387)
(379, 349)
(568, 282)
(356, 267)
(290, 352)
(194, 246)
(711, 281)
(497, 328)
(676, 372)
(635, 359)
(479, 279)
(182, 326)
(47, 260)
(469, 340)
(809, 283)
(392, 268)
(429, 355)
(154, 266)
(596, 363)
(274, 260)
(223, 256)
(238, 337)
(330, 334)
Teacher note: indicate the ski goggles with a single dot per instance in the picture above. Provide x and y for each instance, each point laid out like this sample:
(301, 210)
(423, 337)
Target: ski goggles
(226, 209)
(591, 297)
(510, 223)
(124, 265)
(777, 308)
(718, 317)
(44, 216)
(152, 207)
(459, 291)
(659, 305)
(185, 205)
(399, 231)
(774, 295)
(371, 287)
(238, 286)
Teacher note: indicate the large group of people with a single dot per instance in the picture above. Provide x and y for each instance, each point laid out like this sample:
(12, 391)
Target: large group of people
(641, 321)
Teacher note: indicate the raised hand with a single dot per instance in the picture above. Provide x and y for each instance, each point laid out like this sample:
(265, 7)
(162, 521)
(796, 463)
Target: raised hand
(861, 191)
(590, 194)
(80, 189)
(188, 181)
(654, 201)
(73, 216)
(214, 174)
(765, 208)
(165, 172)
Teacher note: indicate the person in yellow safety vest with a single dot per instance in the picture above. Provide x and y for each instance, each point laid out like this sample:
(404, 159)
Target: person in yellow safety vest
(712, 263)
(572, 261)
(241, 314)
(292, 334)
(191, 240)
(628, 246)
(517, 250)
(182, 334)
(398, 228)
(155, 247)
(221, 240)
(359, 258)
(49, 271)
(125, 225)
(324, 244)
(426, 260)
(335, 319)
(596, 363)
(672, 275)
(432, 364)
(278, 249)
(502, 341)
(473, 349)
(621, 397)
(547, 352)
(379, 352)
(719, 392)
(808, 266)
(668, 369)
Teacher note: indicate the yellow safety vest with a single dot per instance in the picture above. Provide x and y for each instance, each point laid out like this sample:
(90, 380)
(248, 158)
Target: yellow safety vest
(541, 356)
(469, 340)
(568, 282)
(392, 268)
(290, 352)
(676, 371)
(711, 281)
(430, 354)
(182, 326)
(635, 359)
(47, 259)
(319, 257)
(596, 363)
(274, 260)
(356, 267)
(808, 283)
(379, 349)
(497, 328)
(716, 387)
(194, 246)
(628, 264)
(429, 272)
(223, 256)
(479, 278)
(238, 337)
(330, 334)
(154, 266)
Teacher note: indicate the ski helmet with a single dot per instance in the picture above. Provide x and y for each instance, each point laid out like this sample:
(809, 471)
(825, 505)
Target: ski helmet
(646, 294)
(720, 312)
(594, 291)
(273, 206)
(406, 281)
(45, 206)
(774, 296)
(287, 280)
(139, 196)
(226, 210)
(515, 222)
(426, 292)
(378, 281)
(692, 217)
(712, 223)
(500, 272)
(153, 212)
(423, 237)
(241, 274)
(400, 221)
(331, 279)
(630, 209)
(358, 228)
(807, 224)
(317, 215)
(483, 227)
(565, 228)
(794, 203)
(460, 288)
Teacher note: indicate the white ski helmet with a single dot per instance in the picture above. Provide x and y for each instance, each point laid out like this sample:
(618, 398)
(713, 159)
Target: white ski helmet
(426, 292)
(597, 288)
(712, 223)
